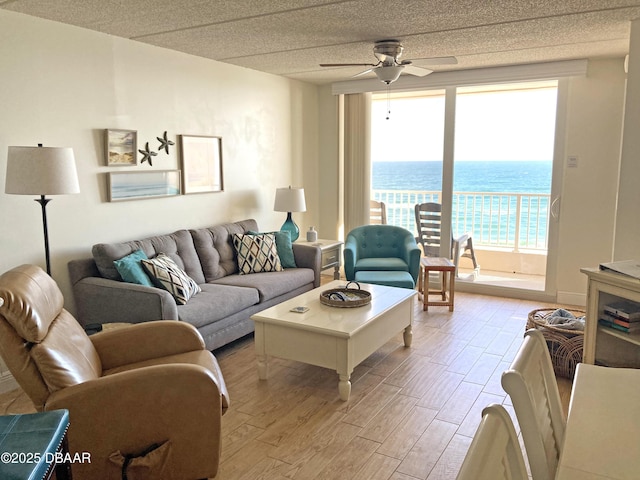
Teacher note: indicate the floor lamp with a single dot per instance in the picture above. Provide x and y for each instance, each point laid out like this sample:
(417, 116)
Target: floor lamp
(41, 171)
(290, 200)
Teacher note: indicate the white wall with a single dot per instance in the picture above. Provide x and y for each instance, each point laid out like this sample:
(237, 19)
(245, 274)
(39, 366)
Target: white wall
(62, 86)
(588, 206)
(627, 239)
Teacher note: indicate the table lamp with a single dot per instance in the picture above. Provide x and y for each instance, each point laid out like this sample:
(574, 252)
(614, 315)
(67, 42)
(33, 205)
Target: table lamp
(41, 171)
(290, 200)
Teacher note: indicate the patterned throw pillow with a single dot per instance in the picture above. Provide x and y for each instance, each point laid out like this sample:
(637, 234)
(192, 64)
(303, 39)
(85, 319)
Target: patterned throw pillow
(284, 247)
(257, 253)
(166, 274)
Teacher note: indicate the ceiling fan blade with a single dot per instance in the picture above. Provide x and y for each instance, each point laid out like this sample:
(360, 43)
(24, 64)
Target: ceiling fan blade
(347, 65)
(417, 71)
(436, 61)
(362, 73)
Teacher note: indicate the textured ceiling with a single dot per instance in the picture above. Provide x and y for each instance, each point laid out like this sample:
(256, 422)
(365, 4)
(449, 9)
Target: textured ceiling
(291, 37)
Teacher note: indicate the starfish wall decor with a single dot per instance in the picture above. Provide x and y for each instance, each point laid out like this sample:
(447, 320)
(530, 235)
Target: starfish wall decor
(164, 143)
(147, 155)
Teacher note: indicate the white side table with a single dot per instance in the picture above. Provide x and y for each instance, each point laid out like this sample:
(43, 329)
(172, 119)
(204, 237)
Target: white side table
(331, 254)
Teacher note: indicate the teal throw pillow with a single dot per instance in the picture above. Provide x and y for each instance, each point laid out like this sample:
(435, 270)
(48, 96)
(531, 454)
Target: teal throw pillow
(283, 246)
(130, 268)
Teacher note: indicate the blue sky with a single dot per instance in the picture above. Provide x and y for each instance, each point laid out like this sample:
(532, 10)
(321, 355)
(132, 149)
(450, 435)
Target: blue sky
(510, 125)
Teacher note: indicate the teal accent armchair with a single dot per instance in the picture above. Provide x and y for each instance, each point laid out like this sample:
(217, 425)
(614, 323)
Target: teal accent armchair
(381, 248)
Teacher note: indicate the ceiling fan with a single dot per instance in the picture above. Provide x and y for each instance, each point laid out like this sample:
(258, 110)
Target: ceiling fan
(389, 66)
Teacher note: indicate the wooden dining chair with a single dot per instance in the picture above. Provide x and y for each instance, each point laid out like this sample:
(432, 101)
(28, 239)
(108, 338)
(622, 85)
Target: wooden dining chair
(377, 213)
(532, 386)
(494, 453)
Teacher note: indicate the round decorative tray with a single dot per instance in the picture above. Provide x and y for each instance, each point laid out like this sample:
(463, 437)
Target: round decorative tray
(346, 297)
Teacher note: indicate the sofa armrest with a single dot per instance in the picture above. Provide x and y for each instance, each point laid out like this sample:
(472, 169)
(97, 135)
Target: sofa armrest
(145, 341)
(413, 254)
(99, 300)
(309, 256)
(82, 268)
(176, 403)
(350, 257)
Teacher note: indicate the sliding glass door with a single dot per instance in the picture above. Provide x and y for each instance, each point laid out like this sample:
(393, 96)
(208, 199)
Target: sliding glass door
(487, 154)
(503, 163)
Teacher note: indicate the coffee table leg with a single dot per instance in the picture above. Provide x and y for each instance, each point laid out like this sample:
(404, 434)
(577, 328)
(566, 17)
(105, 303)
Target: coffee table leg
(408, 336)
(261, 354)
(263, 367)
(344, 387)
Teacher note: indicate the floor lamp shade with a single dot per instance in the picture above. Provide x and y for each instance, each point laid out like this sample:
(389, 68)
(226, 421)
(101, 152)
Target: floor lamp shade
(41, 171)
(290, 200)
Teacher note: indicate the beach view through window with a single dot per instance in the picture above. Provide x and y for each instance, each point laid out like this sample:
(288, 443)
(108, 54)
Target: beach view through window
(502, 161)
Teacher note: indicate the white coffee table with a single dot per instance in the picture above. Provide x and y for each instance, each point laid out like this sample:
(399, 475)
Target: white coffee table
(331, 337)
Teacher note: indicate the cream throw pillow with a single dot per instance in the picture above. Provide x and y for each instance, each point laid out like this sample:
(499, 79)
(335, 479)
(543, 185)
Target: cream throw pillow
(257, 253)
(164, 273)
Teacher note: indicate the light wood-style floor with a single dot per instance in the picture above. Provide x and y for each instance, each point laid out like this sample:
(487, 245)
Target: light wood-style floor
(411, 415)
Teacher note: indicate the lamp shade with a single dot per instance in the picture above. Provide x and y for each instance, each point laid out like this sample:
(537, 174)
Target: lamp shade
(41, 171)
(290, 200)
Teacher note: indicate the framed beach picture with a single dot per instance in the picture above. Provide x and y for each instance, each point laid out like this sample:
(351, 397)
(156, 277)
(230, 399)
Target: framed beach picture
(143, 184)
(201, 164)
(120, 147)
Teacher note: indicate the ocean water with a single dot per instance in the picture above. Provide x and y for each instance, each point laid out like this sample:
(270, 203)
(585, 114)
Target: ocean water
(468, 176)
(491, 219)
(121, 192)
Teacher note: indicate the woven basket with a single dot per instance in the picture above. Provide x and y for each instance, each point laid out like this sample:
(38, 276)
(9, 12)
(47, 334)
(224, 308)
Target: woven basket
(565, 346)
(356, 297)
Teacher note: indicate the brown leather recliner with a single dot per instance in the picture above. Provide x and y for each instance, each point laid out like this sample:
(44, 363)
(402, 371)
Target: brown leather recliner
(148, 388)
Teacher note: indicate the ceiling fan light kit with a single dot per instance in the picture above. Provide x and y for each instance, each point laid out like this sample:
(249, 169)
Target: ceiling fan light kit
(389, 66)
(389, 74)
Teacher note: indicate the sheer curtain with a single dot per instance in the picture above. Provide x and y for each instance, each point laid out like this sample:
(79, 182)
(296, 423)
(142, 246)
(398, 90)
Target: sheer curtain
(357, 159)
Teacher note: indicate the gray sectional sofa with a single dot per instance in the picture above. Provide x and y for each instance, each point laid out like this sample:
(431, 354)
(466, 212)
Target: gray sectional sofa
(220, 311)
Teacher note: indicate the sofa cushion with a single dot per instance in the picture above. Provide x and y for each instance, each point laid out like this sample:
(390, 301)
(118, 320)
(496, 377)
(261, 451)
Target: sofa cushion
(177, 245)
(130, 268)
(216, 302)
(215, 248)
(166, 274)
(271, 284)
(382, 263)
(257, 253)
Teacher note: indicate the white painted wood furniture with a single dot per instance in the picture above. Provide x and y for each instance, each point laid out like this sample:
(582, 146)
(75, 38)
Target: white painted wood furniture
(602, 439)
(331, 337)
(531, 384)
(331, 254)
(602, 345)
(494, 453)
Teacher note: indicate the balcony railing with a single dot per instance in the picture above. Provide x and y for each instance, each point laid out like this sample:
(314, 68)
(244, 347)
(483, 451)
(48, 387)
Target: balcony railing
(509, 220)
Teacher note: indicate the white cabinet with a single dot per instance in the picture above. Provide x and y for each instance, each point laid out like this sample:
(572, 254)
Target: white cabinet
(604, 345)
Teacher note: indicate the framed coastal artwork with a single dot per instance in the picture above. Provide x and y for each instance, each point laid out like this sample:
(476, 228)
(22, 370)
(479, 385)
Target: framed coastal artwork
(201, 158)
(143, 184)
(120, 147)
